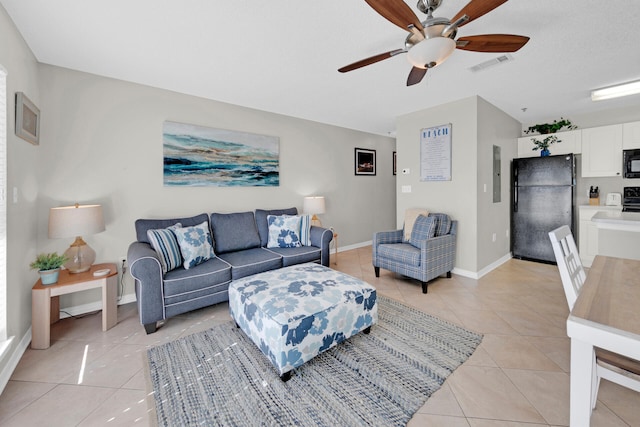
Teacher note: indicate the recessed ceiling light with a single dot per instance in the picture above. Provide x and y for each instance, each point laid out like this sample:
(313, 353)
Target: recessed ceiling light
(616, 91)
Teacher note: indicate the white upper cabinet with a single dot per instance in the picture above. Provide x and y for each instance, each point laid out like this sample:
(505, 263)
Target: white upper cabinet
(602, 151)
(631, 135)
(571, 142)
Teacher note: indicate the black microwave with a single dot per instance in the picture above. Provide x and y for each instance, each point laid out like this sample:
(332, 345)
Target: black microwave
(631, 163)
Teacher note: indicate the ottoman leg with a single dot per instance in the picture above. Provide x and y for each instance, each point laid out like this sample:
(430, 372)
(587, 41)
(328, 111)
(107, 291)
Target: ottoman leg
(367, 330)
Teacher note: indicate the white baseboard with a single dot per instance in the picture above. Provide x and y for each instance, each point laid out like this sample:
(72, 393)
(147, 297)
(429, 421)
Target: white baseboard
(355, 246)
(77, 310)
(13, 361)
(484, 271)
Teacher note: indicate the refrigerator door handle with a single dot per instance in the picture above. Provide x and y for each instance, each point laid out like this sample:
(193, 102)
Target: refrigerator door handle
(515, 199)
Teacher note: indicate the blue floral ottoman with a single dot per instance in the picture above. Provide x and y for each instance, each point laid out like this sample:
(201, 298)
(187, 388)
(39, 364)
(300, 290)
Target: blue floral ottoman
(295, 313)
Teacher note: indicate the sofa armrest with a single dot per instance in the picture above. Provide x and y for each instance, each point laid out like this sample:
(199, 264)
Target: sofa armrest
(321, 238)
(145, 268)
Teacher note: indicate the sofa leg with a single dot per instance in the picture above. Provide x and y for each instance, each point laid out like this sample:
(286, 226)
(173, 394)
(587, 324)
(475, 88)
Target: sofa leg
(448, 275)
(150, 328)
(286, 376)
(424, 287)
(377, 270)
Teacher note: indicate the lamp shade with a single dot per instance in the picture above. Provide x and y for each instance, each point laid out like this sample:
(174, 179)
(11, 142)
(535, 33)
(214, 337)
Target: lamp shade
(313, 205)
(76, 221)
(431, 52)
(73, 221)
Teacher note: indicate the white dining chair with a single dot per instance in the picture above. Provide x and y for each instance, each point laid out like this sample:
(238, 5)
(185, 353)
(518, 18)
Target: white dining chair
(611, 366)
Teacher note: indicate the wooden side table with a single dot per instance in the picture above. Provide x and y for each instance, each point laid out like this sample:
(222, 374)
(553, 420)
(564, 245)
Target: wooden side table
(43, 298)
(335, 238)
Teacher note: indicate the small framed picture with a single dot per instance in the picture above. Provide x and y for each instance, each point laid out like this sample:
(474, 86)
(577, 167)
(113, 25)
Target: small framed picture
(365, 161)
(394, 163)
(27, 119)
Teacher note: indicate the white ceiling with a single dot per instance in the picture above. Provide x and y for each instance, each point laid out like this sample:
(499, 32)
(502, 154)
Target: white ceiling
(282, 55)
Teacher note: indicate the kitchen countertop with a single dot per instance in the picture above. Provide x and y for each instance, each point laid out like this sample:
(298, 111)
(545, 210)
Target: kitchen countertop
(615, 220)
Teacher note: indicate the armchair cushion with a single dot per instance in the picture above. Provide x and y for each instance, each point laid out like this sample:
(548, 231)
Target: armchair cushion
(443, 224)
(424, 228)
(410, 216)
(403, 253)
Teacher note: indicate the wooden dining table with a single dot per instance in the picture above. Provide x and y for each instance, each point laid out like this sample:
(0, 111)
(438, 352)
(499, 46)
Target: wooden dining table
(605, 315)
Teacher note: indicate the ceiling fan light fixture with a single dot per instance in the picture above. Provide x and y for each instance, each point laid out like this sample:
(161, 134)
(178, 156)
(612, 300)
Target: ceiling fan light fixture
(616, 91)
(431, 52)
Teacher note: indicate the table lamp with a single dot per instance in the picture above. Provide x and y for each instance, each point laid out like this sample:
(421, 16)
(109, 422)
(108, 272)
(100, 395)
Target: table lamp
(76, 221)
(314, 205)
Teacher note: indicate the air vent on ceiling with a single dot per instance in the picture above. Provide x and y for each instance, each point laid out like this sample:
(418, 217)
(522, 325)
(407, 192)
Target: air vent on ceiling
(490, 63)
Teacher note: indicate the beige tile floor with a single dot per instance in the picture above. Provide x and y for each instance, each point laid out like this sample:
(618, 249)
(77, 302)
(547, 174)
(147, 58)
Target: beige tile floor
(518, 376)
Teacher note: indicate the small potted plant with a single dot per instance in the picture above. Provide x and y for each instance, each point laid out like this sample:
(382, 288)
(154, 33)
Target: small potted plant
(543, 145)
(548, 128)
(48, 265)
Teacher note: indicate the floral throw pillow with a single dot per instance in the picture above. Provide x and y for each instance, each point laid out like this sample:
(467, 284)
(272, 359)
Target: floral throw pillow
(195, 244)
(284, 231)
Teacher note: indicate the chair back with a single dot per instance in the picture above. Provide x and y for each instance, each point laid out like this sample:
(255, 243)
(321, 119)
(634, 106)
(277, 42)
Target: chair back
(569, 264)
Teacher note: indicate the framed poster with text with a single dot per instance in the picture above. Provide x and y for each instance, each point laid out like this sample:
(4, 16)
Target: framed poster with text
(435, 153)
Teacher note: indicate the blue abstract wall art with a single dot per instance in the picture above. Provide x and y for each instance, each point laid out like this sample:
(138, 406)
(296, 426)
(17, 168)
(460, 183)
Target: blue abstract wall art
(197, 156)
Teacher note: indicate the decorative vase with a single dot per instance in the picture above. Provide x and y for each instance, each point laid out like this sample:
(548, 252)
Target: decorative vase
(545, 152)
(49, 277)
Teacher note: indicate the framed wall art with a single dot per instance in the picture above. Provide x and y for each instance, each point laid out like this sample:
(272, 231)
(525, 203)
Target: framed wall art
(365, 161)
(27, 119)
(198, 156)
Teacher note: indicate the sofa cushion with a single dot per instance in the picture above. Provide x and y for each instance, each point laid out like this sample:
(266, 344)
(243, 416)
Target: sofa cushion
(423, 228)
(402, 253)
(142, 225)
(234, 231)
(284, 231)
(195, 244)
(180, 283)
(299, 255)
(164, 242)
(263, 226)
(251, 261)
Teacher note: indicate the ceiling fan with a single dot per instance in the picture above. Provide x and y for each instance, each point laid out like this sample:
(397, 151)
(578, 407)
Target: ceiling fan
(430, 43)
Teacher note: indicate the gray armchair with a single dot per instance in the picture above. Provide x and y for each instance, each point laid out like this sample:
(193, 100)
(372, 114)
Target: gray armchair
(429, 253)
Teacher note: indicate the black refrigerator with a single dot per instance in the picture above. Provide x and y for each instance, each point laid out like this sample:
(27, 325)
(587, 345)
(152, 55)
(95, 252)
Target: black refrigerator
(543, 200)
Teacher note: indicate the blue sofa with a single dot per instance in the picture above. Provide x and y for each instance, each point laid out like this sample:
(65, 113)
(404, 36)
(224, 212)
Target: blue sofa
(240, 245)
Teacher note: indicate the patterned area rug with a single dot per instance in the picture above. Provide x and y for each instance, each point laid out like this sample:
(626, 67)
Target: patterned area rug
(219, 377)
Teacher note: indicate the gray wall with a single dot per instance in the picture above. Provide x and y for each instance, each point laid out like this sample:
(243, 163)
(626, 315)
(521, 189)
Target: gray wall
(476, 127)
(22, 69)
(102, 143)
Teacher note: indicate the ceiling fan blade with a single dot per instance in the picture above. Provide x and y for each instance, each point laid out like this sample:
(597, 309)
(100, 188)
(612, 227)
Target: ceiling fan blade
(370, 60)
(492, 43)
(397, 12)
(476, 8)
(416, 75)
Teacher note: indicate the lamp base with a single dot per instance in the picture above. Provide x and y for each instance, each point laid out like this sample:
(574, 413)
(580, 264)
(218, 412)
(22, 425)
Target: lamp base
(316, 221)
(81, 256)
